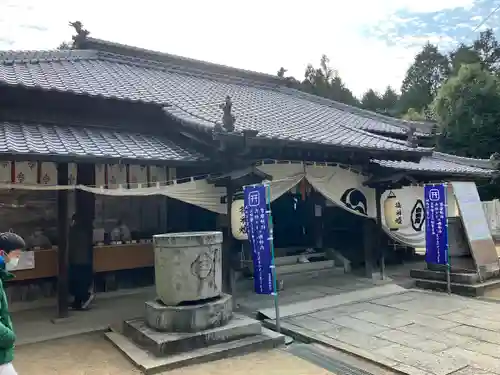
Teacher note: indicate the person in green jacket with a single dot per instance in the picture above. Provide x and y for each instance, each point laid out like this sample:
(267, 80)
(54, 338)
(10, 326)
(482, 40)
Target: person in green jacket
(10, 249)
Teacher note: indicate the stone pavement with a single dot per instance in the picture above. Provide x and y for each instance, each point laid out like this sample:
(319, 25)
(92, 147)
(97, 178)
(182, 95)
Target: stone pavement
(413, 332)
(304, 289)
(37, 325)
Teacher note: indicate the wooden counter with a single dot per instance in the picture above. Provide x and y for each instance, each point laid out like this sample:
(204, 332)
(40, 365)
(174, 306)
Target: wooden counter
(106, 258)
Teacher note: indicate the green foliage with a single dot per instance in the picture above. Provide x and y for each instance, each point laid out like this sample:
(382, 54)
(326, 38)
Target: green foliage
(65, 45)
(371, 101)
(467, 108)
(488, 49)
(463, 55)
(429, 69)
(389, 99)
(385, 103)
(325, 81)
(413, 115)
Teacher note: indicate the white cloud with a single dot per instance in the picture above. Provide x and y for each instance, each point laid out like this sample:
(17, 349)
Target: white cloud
(258, 35)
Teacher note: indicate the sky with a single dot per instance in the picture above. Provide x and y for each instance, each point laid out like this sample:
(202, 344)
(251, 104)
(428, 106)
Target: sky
(371, 43)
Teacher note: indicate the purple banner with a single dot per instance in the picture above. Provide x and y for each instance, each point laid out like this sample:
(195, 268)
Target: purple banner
(436, 230)
(257, 225)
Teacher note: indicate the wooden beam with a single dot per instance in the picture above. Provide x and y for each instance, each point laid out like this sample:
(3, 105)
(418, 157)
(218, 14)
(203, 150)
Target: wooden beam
(63, 232)
(378, 204)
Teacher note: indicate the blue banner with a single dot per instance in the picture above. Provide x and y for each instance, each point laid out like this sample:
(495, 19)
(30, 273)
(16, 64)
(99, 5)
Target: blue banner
(257, 225)
(436, 229)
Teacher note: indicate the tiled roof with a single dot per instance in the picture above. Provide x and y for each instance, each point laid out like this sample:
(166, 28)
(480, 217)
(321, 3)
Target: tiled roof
(372, 121)
(77, 142)
(276, 112)
(443, 163)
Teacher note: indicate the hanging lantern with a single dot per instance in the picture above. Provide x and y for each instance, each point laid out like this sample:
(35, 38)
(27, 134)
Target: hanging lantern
(238, 226)
(393, 212)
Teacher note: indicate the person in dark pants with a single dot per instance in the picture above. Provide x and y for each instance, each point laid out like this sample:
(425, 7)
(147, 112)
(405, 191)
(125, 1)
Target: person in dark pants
(80, 265)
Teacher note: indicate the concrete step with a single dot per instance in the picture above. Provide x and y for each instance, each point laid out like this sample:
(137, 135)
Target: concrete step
(166, 343)
(294, 259)
(150, 364)
(475, 290)
(468, 278)
(304, 267)
(292, 279)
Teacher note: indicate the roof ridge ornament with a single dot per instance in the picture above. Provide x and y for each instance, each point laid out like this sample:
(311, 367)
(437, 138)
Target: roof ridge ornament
(81, 34)
(411, 138)
(495, 160)
(228, 119)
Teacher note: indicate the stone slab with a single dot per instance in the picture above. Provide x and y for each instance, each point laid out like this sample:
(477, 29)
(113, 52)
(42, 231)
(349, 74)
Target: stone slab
(475, 359)
(473, 321)
(356, 338)
(149, 364)
(455, 277)
(412, 341)
(482, 347)
(475, 290)
(389, 321)
(308, 336)
(191, 318)
(316, 325)
(398, 298)
(162, 344)
(438, 323)
(471, 370)
(441, 364)
(358, 325)
(446, 337)
(317, 304)
(477, 333)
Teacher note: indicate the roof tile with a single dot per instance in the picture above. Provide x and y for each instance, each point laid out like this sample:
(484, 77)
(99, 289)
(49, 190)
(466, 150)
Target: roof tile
(81, 142)
(442, 163)
(274, 112)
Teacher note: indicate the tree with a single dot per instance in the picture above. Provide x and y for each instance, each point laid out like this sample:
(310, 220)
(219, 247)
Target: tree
(463, 55)
(413, 115)
(325, 81)
(488, 49)
(389, 100)
(424, 77)
(467, 108)
(65, 45)
(371, 101)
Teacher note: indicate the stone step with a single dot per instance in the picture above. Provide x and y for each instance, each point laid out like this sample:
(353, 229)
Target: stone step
(468, 278)
(164, 344)
(474, 290)
(294, 259)
(292, 279)
(150, 364)
(305, 267)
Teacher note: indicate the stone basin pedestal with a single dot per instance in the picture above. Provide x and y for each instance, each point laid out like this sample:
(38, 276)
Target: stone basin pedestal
(191, 320)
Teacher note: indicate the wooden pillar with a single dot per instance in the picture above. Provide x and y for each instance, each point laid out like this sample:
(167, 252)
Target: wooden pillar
(63, 231)
(227, 245)
(85, 202)
(369, 242)
(378, 204)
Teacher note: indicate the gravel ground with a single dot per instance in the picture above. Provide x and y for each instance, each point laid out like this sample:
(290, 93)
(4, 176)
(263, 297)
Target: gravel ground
(92, 354)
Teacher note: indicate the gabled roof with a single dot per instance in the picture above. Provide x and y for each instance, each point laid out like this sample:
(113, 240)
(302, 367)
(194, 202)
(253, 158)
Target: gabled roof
(194, 96)
(77, 142)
